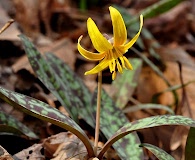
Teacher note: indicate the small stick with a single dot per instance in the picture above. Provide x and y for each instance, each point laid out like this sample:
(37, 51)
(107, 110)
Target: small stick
(6, 25)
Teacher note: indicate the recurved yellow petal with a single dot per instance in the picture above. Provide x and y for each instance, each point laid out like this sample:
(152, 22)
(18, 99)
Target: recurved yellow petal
(130, 44)
(99, 42)
(89, 55)
(119, 29)
(101, 66)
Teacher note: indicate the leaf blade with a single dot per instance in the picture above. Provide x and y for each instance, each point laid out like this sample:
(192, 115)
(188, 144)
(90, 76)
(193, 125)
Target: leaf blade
(124, 85)
(148, 106)
(50, 79)
(10, 124)
(45, 112)
(76, 85)
(147, 123)
(190, 145)
(158, 152)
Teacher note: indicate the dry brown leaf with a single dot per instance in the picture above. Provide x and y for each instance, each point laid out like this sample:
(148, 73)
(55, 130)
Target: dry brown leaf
(65, 145)
(27, 18)
(10, 33)
(94, 158)
(188, 73)
(150, 83)
(64, 49)
(4, 155)
(164, 135)
(22, 63)
(176, 54)
(32, 153)
(178, 142)
(39, 12)
(179, 136)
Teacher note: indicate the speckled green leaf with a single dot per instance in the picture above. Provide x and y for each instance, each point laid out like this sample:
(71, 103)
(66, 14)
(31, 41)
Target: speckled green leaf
(75, 84)
(147, 106)
(190, 145)
(8, 129)
(9, 124)
(146, 123)
(153, 10)
(125, 84)
(45, 112)
(159, 8)
(112, 118)
(65, 73)
(51, 80)
(158, 152)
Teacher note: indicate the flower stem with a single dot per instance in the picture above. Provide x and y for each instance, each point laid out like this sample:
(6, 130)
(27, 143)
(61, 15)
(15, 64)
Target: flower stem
(97, 127)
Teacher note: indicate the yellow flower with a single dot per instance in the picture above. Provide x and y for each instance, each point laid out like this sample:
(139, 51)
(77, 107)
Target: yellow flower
(109, 52)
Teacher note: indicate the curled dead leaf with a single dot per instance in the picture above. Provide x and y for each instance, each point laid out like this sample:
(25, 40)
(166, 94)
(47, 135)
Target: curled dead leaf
(65, 145)
(4, 155)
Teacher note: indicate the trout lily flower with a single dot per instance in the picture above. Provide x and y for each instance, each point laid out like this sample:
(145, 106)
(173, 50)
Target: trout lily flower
(111, 52)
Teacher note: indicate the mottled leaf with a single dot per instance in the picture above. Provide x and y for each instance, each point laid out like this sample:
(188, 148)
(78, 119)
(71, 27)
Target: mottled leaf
(159, 8)
(190, 145)
(112, 118)
(45, 112)
(146, 123)
(124, 85)
(147, 106)
(158, 152)
(76, 85)
(9, 124)
(51, 80)
(155, 10)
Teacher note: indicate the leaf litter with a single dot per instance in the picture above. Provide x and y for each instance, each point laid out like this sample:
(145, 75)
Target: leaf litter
(62, 41)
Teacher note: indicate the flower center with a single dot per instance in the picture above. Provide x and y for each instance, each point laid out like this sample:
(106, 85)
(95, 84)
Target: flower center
(117, 60)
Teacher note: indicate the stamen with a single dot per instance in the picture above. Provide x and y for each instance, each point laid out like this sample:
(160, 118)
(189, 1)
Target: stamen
(123, 63)
(129, 66)
(114, 75)
(119, 67)
(114, 65)
(110, 66)
(110, 63)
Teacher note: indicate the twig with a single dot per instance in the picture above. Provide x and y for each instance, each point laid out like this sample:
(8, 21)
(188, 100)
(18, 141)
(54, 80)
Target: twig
(6, 25)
